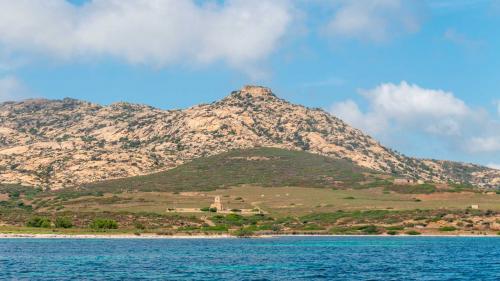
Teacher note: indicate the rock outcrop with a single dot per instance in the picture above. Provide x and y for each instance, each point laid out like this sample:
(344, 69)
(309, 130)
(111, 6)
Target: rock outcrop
(68, 142)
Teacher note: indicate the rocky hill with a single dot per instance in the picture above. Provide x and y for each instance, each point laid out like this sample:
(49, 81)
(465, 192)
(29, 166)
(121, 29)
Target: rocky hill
(57, 143)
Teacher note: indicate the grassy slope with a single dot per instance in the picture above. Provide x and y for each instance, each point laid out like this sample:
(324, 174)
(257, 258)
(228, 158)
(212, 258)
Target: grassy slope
(276, 180)
(280, 168)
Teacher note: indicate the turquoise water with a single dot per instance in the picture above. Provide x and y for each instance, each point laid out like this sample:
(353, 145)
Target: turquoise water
(286, 258)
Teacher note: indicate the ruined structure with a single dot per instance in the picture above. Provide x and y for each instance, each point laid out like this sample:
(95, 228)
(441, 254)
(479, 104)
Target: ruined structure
(217, 204)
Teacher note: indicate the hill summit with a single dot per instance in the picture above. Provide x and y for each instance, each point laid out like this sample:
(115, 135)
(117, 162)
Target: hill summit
(57, 143)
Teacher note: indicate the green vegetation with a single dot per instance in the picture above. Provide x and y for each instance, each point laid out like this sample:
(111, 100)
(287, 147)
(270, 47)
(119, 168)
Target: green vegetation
(395, 227)
(104, 224)
(412, 189)
(239, 220)
(243, 232)
(356, 230)
(139, 225)
(295, 192)
(38, 222)
(260, 166)
(447, 228)
(62, 222)
(356, 216)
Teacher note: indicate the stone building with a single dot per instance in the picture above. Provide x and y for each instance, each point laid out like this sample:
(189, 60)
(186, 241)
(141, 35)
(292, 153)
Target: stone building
(217, 204)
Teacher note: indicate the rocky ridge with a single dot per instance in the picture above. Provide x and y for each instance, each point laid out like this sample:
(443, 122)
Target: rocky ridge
(57, 143)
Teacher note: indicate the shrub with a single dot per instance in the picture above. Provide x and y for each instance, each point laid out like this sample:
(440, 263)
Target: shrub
(395, 227)
(369, 229)
(447, 228)
(139, 225)
(213, 210)
(38, 222)
(14, 194)
(243, 232)
(222, 228)
(205, 209)
(412, 189)
(392, 232)
(349, 198)
(413, 232)
(63, 223)
(313, 227)
(104, 224)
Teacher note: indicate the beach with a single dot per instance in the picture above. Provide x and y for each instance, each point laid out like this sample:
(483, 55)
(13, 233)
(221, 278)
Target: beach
(156, 236)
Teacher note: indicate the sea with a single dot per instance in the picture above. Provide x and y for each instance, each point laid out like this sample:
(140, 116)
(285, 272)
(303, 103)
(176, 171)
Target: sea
(278, 258)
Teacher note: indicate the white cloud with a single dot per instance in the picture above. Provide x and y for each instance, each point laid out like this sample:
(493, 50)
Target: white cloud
(498, 107)
(11, 89)
(461, 39)
(456, 4)
(485, 144)
(415, 114)
(494, 166)
(405, 104)
(376, 20)
(155, 32)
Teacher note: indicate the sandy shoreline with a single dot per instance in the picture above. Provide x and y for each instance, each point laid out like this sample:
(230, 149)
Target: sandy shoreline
(224, 236)
(111, 236)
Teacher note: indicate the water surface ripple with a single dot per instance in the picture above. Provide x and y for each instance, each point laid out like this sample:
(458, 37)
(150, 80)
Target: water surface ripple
(285, 258)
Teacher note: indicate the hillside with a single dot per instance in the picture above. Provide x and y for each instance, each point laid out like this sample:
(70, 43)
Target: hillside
(57, 143)
(266, 167)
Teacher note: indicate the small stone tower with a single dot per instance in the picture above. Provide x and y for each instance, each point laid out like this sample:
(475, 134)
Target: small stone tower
(217, 203)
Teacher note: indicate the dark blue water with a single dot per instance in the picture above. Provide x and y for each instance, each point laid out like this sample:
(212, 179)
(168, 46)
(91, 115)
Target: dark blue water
(297, 258)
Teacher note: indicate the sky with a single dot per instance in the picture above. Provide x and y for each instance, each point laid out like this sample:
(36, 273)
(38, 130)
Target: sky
(422, 77)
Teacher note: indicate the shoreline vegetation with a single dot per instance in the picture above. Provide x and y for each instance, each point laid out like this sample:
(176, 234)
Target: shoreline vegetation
(216, 236)
(285, 211)
(366, 222)
(253, 193)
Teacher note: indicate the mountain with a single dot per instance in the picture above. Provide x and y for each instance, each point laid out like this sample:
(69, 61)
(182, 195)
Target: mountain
(57, 143)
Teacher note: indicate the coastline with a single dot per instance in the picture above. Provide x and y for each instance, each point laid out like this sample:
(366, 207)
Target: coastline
(223, 236)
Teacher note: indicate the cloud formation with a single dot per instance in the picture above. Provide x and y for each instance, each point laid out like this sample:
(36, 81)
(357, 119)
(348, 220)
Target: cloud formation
(434, 111)
(376, 20)
(11, 89)
(395, 110)
(461, 39)
(153, 32)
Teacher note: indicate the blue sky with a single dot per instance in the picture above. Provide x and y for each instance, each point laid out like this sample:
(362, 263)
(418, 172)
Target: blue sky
(422, 77)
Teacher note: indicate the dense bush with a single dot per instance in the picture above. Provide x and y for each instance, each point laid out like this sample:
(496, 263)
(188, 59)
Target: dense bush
(38, 222)
(447, 228)
(215, 228)
(243, 232)
(63, 223)
(413, 189)
(413, 232)
(369, 229)
(104, 224)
